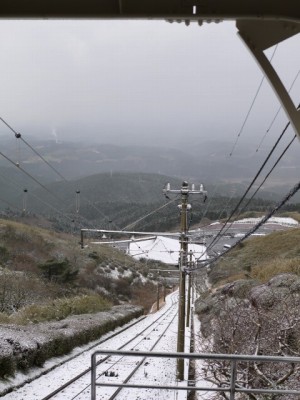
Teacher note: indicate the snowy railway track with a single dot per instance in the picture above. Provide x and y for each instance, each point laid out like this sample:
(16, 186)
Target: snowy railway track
(144, 335)
(121, 372)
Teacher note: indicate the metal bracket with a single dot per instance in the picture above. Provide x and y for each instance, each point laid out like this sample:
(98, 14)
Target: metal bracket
(257, 37)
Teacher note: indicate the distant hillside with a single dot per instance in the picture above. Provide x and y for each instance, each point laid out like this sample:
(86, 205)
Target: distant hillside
(260, 258)
(121, 184)
(115, 200)
(48, 265)
(205, 161)
(46, 276)
(119, 199)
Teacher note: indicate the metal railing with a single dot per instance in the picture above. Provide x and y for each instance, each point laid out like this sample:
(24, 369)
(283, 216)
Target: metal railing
(231, 388)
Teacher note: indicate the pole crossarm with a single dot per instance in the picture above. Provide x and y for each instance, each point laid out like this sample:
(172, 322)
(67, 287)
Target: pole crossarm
(176, 234)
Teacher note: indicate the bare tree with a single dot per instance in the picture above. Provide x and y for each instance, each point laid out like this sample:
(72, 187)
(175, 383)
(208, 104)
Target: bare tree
(265, 322)
(18, 289)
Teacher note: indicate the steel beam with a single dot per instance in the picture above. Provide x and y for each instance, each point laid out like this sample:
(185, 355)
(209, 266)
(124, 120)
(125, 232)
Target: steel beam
(257, 37)
(153, 9)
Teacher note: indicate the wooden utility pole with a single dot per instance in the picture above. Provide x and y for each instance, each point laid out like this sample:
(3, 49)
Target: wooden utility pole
(185, 191)
(182, 279)
(188, 308)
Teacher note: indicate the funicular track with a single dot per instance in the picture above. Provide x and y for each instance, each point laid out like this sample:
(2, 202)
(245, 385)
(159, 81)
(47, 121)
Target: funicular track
(107, 364)
(138, 365)
(142, 340)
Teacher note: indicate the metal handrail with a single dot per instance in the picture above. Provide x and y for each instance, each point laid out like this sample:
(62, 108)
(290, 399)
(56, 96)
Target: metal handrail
(231, 388)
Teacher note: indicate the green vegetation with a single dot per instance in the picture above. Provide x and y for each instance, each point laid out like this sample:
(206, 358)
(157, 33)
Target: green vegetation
(58, 270)
(130, 197)
(55, 296)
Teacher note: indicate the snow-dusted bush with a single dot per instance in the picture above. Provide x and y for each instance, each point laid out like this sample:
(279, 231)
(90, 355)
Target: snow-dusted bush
(244, 318)
(23, 347)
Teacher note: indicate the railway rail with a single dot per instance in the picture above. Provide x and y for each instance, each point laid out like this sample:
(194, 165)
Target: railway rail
(72, 379)
(124, 375)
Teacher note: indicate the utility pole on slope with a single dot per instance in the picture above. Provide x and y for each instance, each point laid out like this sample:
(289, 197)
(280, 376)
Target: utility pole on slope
(188, 307)
(185, 191)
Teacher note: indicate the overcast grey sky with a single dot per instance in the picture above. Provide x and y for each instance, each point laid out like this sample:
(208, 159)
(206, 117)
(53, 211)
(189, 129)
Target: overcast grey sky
(146, 81)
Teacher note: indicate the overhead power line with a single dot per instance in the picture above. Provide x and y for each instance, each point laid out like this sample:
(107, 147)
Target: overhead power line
(280, 204)
(250, 186)
(274, 118)
(269, 173)
(30, 176)
(209, 203)
(251, 106)
(264, 180)
(10, 205)
(44, 187)
(62, 214)
(266, 177)
(19, 136)
(150, 213)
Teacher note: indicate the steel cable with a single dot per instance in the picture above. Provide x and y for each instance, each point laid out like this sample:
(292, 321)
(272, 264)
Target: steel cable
(288, 196)
(264, 180)
(249, 187)
(251, 106)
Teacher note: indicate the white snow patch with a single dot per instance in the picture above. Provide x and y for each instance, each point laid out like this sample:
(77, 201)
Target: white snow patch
(113, 273)
(164, 249)
(200, 364)
(143, 279)
(127, 273)
(156, 371)
(273, 220)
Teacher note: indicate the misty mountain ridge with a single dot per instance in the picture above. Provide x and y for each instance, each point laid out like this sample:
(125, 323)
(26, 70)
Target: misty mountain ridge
(207, 162)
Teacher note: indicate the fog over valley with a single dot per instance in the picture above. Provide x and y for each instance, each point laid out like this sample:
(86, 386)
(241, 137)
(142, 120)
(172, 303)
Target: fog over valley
(138, 82)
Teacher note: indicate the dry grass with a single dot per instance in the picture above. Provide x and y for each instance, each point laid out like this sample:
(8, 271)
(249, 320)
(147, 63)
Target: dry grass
(4, 318)
(24, 248)
(59, 309)
(291, 214)
(260, 258)
(145, 296)
(266, 271)
(232, 278)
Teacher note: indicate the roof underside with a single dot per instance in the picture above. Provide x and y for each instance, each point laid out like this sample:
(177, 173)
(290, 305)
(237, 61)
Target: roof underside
(276, 19)
(160, 9)
(261, 23)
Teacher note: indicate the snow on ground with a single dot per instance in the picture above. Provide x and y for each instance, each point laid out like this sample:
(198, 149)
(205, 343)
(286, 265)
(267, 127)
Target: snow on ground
(157, 371)
(273, 220)
(200, 381)
(164, 249)
(113, 273)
